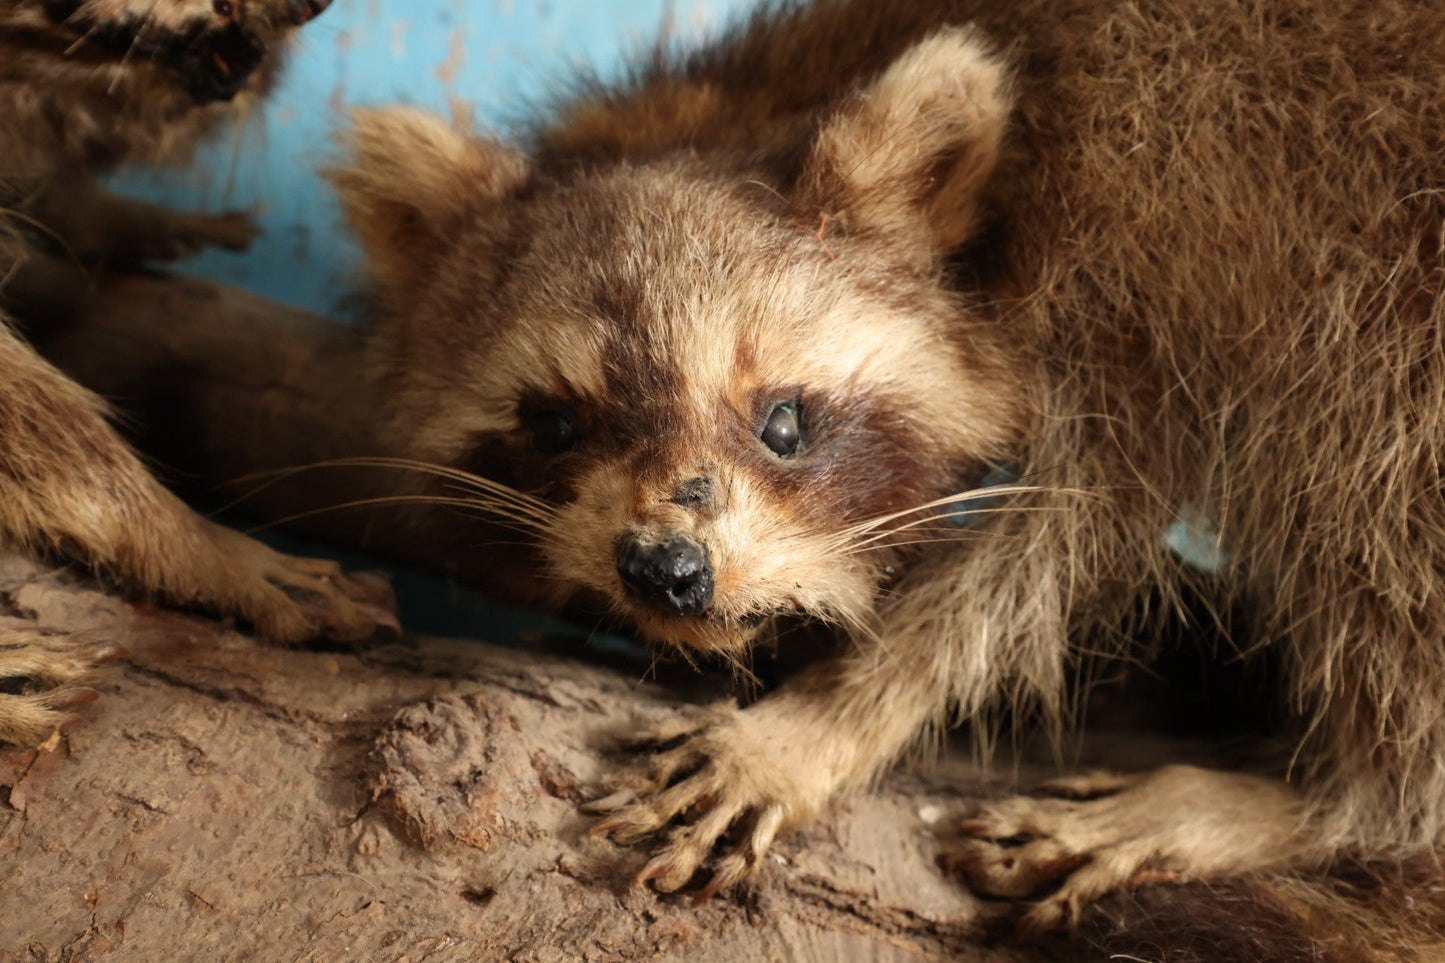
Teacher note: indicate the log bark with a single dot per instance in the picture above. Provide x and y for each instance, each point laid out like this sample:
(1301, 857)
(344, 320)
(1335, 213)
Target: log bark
(414, 800)
(417, 800)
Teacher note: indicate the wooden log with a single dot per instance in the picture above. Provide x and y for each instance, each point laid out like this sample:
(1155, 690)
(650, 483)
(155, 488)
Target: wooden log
(227, 800)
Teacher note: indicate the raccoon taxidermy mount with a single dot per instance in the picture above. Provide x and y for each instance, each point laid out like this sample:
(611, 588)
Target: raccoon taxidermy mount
(84, 85)
(733, 343)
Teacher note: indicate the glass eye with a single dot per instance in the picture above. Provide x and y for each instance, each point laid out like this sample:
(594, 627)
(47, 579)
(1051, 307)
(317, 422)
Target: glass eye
(552, 432)
(783, 432)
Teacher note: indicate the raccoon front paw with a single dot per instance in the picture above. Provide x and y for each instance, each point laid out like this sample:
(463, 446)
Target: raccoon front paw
(291, 599)
(723, 792)
(183, 233)
(1085, 836)
(42, 677)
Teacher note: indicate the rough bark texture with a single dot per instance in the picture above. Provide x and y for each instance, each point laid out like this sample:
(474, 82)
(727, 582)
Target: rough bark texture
(413, 800)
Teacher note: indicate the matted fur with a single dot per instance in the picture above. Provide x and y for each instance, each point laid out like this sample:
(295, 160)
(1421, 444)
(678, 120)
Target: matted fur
(1196, 265)
(83, 85)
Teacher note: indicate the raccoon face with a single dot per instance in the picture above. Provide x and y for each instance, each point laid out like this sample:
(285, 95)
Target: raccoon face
(720, 413)
(212, 47)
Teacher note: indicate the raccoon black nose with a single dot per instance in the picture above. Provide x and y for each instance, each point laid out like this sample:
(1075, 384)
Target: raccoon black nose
(673, 576)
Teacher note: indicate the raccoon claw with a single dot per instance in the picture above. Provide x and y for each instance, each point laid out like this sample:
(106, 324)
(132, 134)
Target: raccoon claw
(1021, 847)
(335, 605)
(316, 594)
(1093, 785)
(608, 804)
(731, 805)
(41, 676)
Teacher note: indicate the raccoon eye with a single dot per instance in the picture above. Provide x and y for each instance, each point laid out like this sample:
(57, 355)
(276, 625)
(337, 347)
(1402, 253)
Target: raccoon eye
(552, 432)
(783, 432)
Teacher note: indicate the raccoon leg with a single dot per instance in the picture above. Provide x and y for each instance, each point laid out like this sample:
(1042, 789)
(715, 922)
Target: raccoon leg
(91, 224)
(42, 676)
(1079, 838)
(69, 483)
(721, 788)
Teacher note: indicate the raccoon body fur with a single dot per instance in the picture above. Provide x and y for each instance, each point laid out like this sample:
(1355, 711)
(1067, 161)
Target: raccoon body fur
(84, 85)
(732, 341)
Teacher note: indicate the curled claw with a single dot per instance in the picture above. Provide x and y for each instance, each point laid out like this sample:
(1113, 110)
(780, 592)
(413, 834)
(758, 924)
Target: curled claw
(44, 674)
(711, 806)
(306, 598)
(732, 869)
(657, 867)
(606, 828)
(102, 651)
(70, 698)
(608, 804)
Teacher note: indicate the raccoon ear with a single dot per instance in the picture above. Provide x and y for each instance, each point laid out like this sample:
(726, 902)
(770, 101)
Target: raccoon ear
(909, 155)
(408, 178)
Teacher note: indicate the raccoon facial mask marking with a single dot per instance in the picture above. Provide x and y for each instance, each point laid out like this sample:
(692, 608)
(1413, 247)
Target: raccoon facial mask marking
(729, 423)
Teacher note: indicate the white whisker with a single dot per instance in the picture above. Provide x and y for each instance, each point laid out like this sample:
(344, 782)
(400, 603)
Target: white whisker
(489, 510)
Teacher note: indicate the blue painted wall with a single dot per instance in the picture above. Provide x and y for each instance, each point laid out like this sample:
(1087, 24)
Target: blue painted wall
(489, 56)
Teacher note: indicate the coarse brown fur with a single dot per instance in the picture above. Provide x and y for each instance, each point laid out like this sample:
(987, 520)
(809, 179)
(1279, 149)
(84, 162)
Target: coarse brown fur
(83, 85)
(1177, 261)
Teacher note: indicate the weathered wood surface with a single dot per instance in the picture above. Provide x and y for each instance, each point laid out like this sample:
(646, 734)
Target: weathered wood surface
(417, 799)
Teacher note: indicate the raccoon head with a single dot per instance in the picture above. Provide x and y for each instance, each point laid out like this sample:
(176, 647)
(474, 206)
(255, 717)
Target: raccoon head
(724, 391)
(211, 47)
